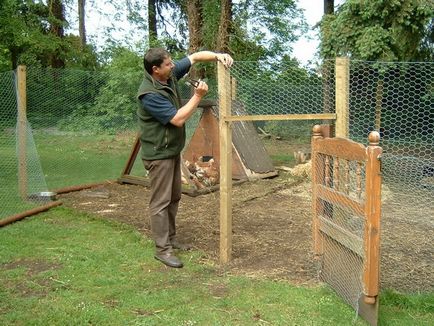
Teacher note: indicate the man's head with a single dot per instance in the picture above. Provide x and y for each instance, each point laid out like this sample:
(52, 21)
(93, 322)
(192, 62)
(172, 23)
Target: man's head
(158, 63)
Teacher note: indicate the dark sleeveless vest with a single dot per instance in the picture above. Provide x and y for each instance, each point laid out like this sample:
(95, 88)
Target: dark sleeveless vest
(159, 141)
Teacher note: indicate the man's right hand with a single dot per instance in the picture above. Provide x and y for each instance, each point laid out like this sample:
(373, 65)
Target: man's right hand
(201, 89)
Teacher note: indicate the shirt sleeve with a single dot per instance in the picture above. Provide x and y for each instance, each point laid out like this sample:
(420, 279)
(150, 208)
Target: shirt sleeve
(159, 107)
(181, 68)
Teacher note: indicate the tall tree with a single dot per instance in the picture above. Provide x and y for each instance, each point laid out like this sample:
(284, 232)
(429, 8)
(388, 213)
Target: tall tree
(379, 30)
(57, 22)
(225, 26)
(195, 24)
(82, 22)
(329, 7)
(22, 32)
(152, 21)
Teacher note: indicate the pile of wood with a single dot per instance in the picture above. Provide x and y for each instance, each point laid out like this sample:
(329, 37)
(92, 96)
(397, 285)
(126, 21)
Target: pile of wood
(202, 172)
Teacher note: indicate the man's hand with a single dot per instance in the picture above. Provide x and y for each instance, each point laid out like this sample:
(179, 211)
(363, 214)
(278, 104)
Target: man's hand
(201, 89)
(225, 58)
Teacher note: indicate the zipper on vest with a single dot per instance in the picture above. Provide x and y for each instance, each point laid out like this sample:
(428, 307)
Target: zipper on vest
(166, 137)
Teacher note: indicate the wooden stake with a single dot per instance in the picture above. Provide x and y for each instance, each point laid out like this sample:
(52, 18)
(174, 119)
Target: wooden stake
(224, 90)
(22, 131)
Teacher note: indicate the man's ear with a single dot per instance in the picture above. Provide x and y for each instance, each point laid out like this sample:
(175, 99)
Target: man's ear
(154, 68)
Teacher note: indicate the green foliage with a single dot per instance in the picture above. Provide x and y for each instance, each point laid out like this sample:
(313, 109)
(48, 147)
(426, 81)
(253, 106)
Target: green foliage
(399, 30)
(25, 38)
(115, 104)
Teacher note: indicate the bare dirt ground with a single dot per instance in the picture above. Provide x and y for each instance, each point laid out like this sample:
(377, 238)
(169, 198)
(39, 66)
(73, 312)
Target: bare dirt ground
(271, 224)
(272, 234)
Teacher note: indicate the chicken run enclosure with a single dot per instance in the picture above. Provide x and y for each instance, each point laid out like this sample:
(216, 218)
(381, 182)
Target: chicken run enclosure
(58, 134)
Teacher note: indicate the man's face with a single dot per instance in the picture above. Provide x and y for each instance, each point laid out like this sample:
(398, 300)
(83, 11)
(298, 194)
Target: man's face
(164, 71)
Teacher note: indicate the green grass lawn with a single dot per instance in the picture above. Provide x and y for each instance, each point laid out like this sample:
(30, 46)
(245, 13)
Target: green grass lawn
(66, 268)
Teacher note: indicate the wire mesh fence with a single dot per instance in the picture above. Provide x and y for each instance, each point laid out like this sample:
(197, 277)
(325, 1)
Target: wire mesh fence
(81, 127)
(397, 99)
(79, 130)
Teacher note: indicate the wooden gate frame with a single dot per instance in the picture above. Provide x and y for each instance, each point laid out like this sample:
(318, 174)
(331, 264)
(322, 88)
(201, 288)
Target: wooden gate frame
(371, 208)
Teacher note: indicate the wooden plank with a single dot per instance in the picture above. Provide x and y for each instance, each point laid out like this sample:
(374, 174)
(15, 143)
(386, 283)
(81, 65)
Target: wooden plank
(343, 148)
(22, 131)
(342, 95)
(132, 158)
(224, 88)
(341, 235)
(317, 116)
(338, 198)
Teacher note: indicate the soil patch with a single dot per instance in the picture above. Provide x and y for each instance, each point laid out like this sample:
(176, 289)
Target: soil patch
(271, 224)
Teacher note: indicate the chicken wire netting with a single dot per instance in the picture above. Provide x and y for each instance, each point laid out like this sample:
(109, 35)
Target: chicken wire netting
(80, 129)
(397, 99)
(283, 88)
(339, 202)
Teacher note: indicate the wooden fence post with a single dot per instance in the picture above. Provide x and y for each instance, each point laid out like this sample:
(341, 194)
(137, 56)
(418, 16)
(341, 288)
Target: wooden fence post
(342, 96)
(317, 178)
(22, 130)
(372, 215)
(224, 91)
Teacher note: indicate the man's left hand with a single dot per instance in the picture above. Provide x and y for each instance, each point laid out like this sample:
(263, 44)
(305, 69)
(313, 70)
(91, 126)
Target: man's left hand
(225, 58)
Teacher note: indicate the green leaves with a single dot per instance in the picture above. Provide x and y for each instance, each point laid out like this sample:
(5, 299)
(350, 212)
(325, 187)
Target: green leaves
(379, 30)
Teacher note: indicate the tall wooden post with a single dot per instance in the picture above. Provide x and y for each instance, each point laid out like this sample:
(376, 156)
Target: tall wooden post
(22, 130)
(317, 178)
(342, 97)
(224, 91)
(371, 273)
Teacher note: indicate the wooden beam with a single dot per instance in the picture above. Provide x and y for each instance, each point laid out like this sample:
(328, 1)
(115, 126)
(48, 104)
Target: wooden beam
(317, 116)
(342, 96)
(22, 131)
(224, 90)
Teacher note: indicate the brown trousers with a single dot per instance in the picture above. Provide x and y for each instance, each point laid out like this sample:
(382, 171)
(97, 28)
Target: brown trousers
(165, 177)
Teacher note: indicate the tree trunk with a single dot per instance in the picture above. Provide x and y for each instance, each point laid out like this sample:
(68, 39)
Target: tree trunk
(152, 22)
(195, 24)
(328, 84)
(329, 7)
(81, 20)
(56, 10)
(225, 26)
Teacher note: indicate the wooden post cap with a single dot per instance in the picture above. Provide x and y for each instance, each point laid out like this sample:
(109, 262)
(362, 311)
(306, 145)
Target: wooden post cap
(374, 138)
(316, 130)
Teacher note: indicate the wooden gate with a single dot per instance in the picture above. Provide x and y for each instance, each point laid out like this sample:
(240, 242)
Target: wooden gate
(346, 188)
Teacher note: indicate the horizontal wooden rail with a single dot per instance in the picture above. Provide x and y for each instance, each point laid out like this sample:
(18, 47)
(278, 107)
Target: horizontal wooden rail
(319, 116)
(337, 198)
(341, 235)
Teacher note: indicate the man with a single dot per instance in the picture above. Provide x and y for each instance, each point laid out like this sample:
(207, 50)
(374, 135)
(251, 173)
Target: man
(162, 134)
